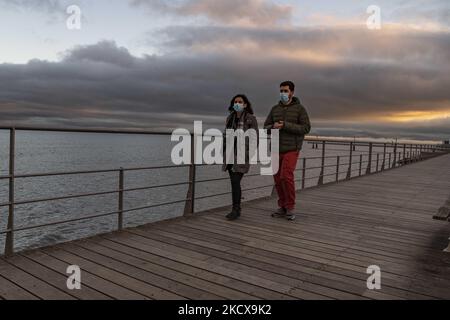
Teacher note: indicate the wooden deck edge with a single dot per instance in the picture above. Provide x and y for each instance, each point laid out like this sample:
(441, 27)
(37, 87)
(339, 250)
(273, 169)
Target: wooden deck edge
(443, 212)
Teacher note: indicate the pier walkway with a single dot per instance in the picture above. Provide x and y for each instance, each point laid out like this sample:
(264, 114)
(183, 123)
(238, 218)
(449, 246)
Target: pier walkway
(384, 219)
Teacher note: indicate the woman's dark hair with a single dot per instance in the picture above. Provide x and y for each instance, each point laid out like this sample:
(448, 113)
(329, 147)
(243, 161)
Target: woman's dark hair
(249, 108)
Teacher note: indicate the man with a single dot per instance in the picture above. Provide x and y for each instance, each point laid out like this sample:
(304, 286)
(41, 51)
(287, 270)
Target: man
(291, 118)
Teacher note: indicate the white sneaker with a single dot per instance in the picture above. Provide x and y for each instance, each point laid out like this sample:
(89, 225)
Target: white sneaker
(290, 215)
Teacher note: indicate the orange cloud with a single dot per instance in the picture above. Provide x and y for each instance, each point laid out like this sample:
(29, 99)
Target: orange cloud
(415, 116)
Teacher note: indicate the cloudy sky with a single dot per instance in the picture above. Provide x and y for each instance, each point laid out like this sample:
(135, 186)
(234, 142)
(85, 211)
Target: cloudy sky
(161, 64)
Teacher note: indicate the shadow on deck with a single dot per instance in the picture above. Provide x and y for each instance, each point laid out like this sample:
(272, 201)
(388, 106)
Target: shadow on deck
(384, 220)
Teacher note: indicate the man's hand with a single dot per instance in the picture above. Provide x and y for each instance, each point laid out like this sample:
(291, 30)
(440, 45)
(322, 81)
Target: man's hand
(279, 125)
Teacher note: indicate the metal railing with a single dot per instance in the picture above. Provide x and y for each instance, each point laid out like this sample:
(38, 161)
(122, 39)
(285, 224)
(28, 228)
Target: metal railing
(388, 160)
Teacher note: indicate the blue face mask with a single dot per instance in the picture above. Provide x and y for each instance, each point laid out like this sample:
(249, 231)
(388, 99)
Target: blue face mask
(284, 97)
(238, 107)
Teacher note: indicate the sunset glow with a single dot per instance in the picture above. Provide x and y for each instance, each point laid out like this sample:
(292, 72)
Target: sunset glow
(412, 116)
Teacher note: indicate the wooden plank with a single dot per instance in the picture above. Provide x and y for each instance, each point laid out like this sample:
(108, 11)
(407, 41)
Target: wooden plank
(320, 231)
(249, 278)
(222, 255)
(11, 291)
(306, 226)
(88, 279)
(164, 269)
(278, 266)
(351, 227)
(185, 264)
(141, 289)
(399, 263)
(31, 284)
(54, 278)
(361, 270)
(298, 239)
(271, 230)
(165, 283)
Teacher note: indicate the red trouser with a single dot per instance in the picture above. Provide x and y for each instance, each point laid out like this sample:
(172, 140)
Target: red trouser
(284, 179)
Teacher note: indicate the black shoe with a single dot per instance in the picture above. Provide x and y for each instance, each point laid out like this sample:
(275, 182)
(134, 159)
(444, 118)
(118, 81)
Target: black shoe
(234, 214)
(280, 213)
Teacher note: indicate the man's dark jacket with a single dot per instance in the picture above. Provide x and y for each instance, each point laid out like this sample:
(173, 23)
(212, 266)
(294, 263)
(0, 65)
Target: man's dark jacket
(296, 124)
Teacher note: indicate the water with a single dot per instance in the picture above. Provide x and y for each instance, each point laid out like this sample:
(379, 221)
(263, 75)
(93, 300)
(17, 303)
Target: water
(41, 152)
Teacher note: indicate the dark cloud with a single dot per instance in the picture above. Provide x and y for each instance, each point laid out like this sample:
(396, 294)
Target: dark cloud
(341, 72)
(343, 77)
(105, 52)
(351, 44)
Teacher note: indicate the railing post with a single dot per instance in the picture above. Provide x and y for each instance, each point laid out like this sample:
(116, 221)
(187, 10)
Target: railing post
(383, 166)
(390, 153)
(338, 161)
(394, 163)
(194, 174)
(189, 208)
(9, 243)
(404, 153)
(360, 164)
(120, 212)
(378, 161)
(322, 171)
(349, 173)
(411, 153)
(369, 166)
(304, 173)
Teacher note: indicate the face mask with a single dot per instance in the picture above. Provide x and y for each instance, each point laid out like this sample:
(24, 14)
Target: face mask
(284, 97)
(238, 107)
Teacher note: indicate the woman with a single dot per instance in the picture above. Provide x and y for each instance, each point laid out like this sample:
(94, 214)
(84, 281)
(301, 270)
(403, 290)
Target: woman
(241, 117)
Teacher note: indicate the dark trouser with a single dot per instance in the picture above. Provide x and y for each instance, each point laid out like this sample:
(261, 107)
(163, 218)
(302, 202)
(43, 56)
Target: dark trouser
(236, 191)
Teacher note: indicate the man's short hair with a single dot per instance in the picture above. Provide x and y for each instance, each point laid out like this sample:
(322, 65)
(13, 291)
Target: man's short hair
(289, 84)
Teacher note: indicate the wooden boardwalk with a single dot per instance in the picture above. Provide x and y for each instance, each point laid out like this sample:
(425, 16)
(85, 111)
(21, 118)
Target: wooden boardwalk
(383, 219)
